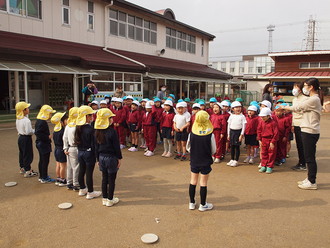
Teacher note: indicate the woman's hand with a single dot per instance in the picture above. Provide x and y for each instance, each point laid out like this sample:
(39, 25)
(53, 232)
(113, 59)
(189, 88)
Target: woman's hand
(119, 163)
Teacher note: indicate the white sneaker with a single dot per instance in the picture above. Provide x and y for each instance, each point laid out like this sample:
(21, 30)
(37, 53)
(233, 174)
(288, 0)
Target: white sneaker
(234, 164)
(251, 161)
(131, 149)
(259, 166)
(146, 149)
(230, 162)
(247, 160)
(94, 194)
(149, 154)
(83, 192)
(164, 153)
(217, 160)
(302, 182)
(207, 206)
(192, 205)
(112, 202)
(122, 146)
(308, 185)
(213, 158)
(134, 149)
(104, 201)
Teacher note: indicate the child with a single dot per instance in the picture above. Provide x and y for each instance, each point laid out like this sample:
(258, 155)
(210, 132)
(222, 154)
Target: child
(149, 128)
(210, 111)
(202, 103)
(118, 121)
(201, 145)
(189, 109)
(108, 155)
(288, 115)
(181, 122)
(127, 106)
(235, 130)
(107, 98)
(195, 108)
(142, 111)
(43, 142)
(226, 105)
(60, 121)
(251, 133)
(71, 151)
(25, 131)
(267, 136)
(160, 111)
(134, 125)
(284, 128)
(219, 129)
(84, 138)
(166, 125)
(240, 100)
(103, 104)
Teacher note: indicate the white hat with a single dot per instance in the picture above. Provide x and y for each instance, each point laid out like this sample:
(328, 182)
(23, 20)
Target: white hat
(136, 103)
(168, 102)
(185, 105)
(236, 104)
(265, 112)
(119, 100)
(266, 103)
(130, 97)
(144, 100)
(148, 105)
(103, 101)
(196, 105)
(181, 104)
(96, 102)
(219, 104)
(113, 99)
(225, 103)
(253, 108)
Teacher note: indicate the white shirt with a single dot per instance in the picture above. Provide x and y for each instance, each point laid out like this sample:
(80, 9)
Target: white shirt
(181, 120)
(68, 137)
(236, 122)
(24, 126)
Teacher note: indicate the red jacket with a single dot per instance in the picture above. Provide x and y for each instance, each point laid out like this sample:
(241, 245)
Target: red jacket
(226, 115)
(134, 117)
(284, 126)
(268, 130)
(244, 111)
(251, 125)
(120, 115)
(109, 106)
(210, 111)
(289, 116)
(160, 111)
(189, 109)
(150, 119)
(219, 122)
(166, 120)
(192, 120)
(128, 110)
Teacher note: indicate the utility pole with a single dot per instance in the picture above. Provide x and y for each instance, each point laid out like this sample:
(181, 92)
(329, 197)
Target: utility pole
(270, 29)
(310, 40)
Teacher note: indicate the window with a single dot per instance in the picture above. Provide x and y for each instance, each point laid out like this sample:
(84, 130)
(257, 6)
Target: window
(306, 65)
(180, 41)
(66, 12)
(314, 65)
(202, 47)
(250, 69)
(232, 70)
(241, 70)
(259, 69)
(90, 15)
(132, 27)
(31, 8)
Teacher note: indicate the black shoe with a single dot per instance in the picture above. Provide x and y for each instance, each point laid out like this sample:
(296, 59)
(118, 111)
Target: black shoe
(183, 158)
(222, 157)
(278, 162)
(177, 156)
(69, 186)
(299, 167)
(75, 188)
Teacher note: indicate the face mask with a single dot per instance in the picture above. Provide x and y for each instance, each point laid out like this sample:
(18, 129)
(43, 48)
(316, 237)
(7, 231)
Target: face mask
(107, 100)
(163, 89)
(306, 92)
(295, 92)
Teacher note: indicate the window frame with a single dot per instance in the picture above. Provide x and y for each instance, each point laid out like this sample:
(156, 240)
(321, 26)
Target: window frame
(174, 37)
(23, 12)
(65, 7)
(91, 14)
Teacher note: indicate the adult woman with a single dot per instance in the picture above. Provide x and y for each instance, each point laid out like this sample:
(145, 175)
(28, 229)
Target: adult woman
(296, 121)
(89, 91)
(310, 128)
(268, 89)
(119, 92)
(161, 92)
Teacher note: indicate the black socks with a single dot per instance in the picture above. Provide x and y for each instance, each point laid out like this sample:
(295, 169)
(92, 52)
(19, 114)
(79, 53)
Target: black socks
(192, 191)
(203, 194)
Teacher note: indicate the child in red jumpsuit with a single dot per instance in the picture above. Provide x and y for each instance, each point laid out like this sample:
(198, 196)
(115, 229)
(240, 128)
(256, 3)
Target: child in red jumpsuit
(268, 137)
(219, 129)
(167, 130)
(149, 128)
(252, 122)
(118, 121)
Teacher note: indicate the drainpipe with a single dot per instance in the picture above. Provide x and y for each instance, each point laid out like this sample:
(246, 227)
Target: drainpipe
(105, 23)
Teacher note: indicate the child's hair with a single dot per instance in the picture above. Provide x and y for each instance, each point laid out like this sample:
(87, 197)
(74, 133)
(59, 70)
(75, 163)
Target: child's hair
(64, 117)
(141, 108)
(77, 135)
(100, 135)
(171, 110)
(316, 85)
(300, 85)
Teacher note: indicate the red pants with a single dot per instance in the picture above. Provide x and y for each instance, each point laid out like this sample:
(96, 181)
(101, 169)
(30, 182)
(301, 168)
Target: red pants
(219, 142)
(281, 148)
(268, 155)
(150, 136)
(121, 134)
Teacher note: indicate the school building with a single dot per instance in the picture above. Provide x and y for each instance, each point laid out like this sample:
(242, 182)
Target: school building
(50, 49)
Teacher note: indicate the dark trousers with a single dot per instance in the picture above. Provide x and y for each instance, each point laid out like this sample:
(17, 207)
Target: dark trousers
(108, 179)
(299, 143)
(25, 151)
(309, 143)
(87, 169)
(158, 131)
(234, 149)
(43, 165)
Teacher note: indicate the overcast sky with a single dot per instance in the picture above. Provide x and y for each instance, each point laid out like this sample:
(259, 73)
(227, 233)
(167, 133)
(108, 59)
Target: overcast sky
(227, 19)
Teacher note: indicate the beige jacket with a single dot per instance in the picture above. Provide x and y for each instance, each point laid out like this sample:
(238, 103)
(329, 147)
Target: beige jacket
(297, 116)
(311, 116)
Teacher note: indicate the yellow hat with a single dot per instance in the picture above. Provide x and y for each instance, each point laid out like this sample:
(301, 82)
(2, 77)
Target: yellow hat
(102, 118)
(82, 112)
(202, 125)
(44, 112)
(56, 119)
(20, 106)
(73, 114)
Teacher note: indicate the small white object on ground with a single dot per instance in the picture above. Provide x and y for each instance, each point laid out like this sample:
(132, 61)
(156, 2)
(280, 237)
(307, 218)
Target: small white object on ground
(149, 238)
(157, 220)
(65, 205)
(10, 184)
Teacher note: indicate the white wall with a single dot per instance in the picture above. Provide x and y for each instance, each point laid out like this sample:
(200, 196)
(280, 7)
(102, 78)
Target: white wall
(51, 27)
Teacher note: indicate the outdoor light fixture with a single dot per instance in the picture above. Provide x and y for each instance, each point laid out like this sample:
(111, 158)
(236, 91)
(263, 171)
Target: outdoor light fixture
(160, 52)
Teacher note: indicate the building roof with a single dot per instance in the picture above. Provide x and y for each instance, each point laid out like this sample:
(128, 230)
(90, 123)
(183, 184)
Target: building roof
(159, 16)
(296, 75)
(36, 49)
(295, 53)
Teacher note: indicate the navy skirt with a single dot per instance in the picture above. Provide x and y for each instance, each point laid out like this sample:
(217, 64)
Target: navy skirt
(166, 133)
(234, 137)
